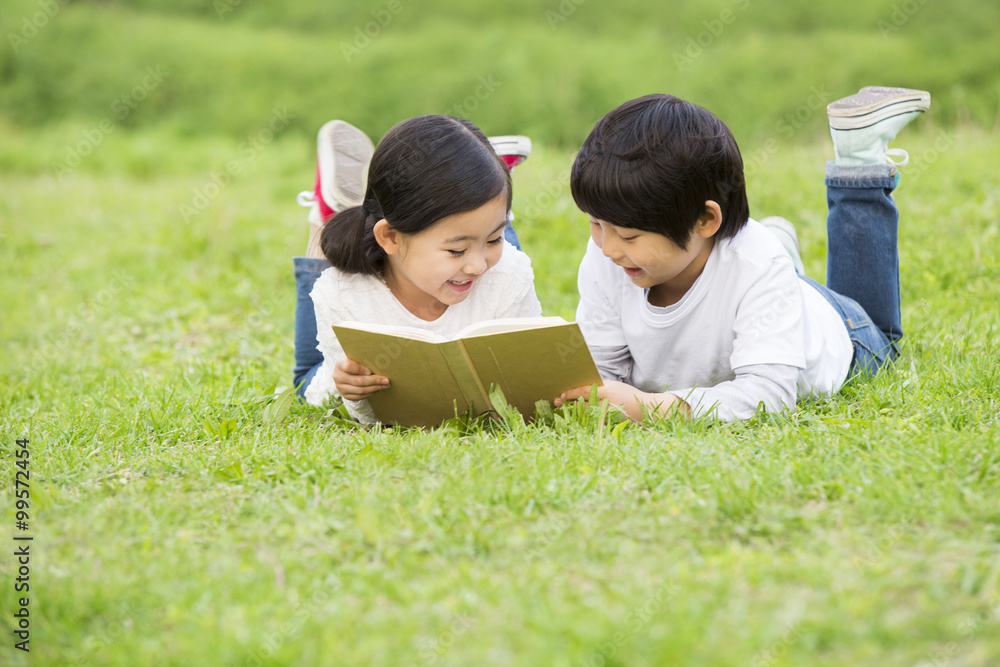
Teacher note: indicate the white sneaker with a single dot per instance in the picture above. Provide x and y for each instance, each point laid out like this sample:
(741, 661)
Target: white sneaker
(785, 233)
(863, 124)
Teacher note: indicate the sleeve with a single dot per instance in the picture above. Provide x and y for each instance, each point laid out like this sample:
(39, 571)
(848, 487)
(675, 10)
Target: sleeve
(773, 385)
(597, 314)
(613, 363)
(517, 287)
(769, 323)
(322, 387)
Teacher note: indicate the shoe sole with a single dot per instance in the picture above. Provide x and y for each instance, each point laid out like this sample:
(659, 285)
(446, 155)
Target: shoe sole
(344, 152)
(871, 105)
(511, 145)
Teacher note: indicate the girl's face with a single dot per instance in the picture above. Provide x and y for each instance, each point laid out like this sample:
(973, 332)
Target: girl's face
(439, 267)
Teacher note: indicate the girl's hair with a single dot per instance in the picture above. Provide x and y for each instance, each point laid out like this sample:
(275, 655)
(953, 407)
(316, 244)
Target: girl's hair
(424, 169)
(652, 163)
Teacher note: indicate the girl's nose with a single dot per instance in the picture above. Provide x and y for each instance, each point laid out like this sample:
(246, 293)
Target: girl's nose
(476, 264)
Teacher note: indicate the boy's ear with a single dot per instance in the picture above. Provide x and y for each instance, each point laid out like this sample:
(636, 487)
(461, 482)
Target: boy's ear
(710, 221)
(388, 238)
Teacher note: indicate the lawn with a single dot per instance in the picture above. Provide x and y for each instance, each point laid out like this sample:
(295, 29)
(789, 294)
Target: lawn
(180, 519)
(183, 516)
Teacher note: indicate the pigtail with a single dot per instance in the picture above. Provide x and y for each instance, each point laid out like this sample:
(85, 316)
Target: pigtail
(348, 240)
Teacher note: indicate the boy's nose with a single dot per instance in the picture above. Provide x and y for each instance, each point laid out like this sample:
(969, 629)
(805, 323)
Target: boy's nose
(610, 249)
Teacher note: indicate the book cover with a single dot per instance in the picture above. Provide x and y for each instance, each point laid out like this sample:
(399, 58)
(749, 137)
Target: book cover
(433, 379)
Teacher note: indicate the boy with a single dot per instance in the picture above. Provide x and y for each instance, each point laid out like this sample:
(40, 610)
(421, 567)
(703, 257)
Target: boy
(688, 305)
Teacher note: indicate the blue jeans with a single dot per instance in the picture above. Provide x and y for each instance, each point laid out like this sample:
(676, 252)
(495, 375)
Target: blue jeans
(307, 357)
(862, 269)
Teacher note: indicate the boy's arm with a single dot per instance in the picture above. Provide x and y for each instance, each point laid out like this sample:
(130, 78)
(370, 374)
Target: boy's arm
(773, 385)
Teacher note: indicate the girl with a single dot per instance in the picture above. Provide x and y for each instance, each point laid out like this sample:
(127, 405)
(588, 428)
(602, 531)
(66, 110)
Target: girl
(425, 248)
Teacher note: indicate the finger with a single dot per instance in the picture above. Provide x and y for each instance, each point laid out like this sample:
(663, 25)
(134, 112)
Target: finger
(351, 367)
(361, 393)
(361, 381)
(573, 394)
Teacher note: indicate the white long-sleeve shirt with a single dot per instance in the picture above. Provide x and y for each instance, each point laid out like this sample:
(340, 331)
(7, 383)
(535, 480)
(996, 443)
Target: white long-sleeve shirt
(730, 343)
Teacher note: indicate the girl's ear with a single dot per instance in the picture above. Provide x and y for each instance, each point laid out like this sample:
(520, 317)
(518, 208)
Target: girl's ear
(388, 238)
(710, 221)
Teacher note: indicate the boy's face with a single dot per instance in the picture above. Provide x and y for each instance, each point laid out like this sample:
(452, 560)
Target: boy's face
(653, 261)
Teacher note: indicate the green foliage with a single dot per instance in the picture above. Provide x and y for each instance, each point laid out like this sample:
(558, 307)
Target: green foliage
(188, 510)
(546, 69)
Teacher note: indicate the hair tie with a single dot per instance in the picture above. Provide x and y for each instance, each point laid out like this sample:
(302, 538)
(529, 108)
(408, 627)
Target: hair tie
(371, 207)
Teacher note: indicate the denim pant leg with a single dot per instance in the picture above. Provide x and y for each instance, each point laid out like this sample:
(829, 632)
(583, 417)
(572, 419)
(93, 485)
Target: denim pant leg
(307, 357)
(862, 273)
(510, 234)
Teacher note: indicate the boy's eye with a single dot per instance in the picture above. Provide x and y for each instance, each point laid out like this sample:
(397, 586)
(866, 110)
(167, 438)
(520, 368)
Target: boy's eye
(626, 239)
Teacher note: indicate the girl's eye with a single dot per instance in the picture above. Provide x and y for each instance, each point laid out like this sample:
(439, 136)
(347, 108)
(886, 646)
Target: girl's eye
(457, 253)
(497, 241)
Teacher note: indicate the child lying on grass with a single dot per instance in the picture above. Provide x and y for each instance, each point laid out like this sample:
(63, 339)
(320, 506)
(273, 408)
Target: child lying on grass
(690, 306)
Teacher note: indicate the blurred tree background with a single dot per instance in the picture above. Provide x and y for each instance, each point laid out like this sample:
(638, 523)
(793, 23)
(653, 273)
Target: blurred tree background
(548, 69)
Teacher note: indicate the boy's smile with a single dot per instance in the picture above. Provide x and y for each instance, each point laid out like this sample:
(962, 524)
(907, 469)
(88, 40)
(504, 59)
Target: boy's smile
(653, 261)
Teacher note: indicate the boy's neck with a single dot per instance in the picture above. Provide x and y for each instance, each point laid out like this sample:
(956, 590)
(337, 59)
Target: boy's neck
(670, 292)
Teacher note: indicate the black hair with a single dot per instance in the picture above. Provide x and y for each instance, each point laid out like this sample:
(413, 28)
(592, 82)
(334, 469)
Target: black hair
(652, 163)
(424, 169)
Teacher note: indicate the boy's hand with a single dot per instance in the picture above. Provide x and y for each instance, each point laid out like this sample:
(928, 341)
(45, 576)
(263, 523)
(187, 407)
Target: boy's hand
(355, 382)
(629, 399)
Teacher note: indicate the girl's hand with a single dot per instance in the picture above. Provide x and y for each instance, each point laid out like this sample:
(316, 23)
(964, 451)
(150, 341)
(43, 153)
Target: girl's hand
(629, 399)
(355, 382)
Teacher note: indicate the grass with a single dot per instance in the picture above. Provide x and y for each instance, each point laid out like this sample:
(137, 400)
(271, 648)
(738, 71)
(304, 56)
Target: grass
(182, 516)
(181, 520)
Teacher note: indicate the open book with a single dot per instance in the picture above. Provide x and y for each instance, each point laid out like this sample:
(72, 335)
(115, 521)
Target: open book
(434, 378)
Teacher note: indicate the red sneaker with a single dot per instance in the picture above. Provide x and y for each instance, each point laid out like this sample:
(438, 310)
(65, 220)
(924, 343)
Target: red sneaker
(343, 153)
(513, 149)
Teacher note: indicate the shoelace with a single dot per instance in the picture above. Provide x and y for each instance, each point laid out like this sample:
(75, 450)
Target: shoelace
(896, 152)
(307, 198)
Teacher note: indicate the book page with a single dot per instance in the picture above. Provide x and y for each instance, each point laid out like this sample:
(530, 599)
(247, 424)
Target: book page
(487, 327)
(399, 330)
